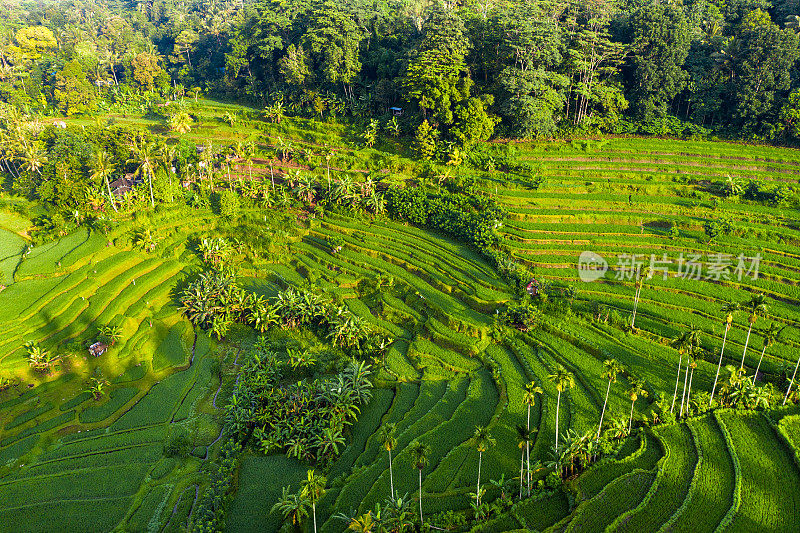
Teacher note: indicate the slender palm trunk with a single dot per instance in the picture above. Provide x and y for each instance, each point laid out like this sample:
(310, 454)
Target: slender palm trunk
(764, 349)
(478, 491)
(791, 381)
(521, 472)
(528, 451)
(603, 412)
(630, 420)
(110, 195)
(635, 305)
(689, 392)
(271, 174)
(746, 342)
(528, 459)
(677, 380)
(150, 181)
(391, 478)
(314, 512)
(558, 405)
(420, 500)
(719, 364)
(685, 381)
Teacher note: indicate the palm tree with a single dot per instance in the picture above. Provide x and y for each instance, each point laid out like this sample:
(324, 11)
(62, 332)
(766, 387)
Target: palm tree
(33, 158)
(769, 339)
(689, 341)
(563, 380)
(419, 458)
(102, 167)
(693, 344)
(729, 309)
(313, 488)
(524, 436)
(389, 441)
(756, 306)
(791, 381)
(144, 156)
(482, 441)
(292, 505)
(636, 390)
(611, 367)
(529, 397)
(180, 121)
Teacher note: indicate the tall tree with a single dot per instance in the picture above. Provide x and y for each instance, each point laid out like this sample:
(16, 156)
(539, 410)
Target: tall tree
(729, 310)
(524, 438)
(636, 390)
(333, 38)
(313, 488)
(757, 306)
(144, 156)
(611, 367)
(482, 440)
(529, 398)
(102, 167)
(563, 380)
(660, 44)
(389, 441)
(419, 458)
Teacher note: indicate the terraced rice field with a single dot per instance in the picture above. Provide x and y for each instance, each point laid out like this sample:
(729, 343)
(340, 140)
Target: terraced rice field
(61, 451)
(445, 372)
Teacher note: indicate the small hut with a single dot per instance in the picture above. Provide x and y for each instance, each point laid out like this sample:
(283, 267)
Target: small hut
(97, 349)
(121, 186)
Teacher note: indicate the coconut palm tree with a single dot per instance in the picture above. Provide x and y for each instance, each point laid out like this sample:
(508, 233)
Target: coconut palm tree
(529, 398)
(611, 367)
(563, 380)
(482, 441)
(102, 167)
(144, 156)
(757, 306)
(419, 458)
(313, 488)
(769, 339)
(689, 341)
(637, 389)
(292, 505)
(524, 436)
(33, 158)
(389, 441)
(680, 343)
(180, 122)
(729, 309)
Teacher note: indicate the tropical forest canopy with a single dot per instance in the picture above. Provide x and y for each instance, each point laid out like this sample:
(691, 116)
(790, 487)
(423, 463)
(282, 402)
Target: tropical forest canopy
(473, 68)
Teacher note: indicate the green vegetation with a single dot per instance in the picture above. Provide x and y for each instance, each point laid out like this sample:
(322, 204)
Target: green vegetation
(316, 313)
